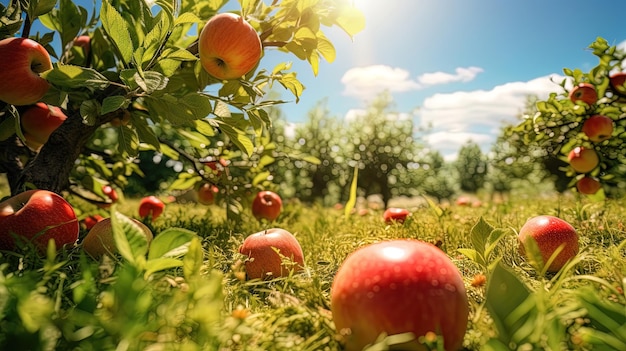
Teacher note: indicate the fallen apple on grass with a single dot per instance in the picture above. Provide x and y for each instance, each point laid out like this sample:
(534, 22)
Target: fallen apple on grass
(22, 60)
(151, 206)
(583, 160)
(37, 216)
(228, 46)
(266, 205)
(550, 234)
(39, 121)
(89, 221)
(598, 128)
(266, 252)
(399, 286)
(396, 214)
(100, 241)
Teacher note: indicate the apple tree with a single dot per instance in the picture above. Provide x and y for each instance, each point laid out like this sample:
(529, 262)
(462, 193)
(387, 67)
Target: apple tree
(567, 123)
(130, 78)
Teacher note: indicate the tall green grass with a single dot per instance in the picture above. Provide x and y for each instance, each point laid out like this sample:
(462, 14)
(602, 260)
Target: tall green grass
(203, 302)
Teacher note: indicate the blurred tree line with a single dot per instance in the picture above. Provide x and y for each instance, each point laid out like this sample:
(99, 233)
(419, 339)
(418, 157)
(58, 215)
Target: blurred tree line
(314, 161)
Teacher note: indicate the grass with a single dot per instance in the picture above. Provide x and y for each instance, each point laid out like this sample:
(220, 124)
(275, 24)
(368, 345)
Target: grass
(69, 301)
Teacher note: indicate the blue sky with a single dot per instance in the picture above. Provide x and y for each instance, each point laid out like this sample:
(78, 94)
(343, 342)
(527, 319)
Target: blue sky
(464, 66)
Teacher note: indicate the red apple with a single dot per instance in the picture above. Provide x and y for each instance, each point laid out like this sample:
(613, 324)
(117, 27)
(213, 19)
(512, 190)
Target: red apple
(550, 233)
(584, 92)
(399, 286)
(39, 121)
(84, 42)
(110, 192)
(266, 205)
(37, 216)
(617, 81)
(99, 241)
(206, 193)
(22, 60)
(217, 167)
(395, 214)
(598, 128)
(263, 259)
(228, 46)
(90, 221)
(121, 121)
(588, 185)
(583, 160)
(151, 206)
(463, 201)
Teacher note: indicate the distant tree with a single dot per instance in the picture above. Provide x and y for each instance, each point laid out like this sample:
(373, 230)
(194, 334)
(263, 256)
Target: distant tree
(471, 165)
(321, 137)
(383, 147)
(438, 180)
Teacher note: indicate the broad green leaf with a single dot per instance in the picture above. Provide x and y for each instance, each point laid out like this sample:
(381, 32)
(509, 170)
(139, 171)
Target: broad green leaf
(113, 103)
(75, 77)
(291, 82)
(351, 20)
(505, 292)
(261, 177)
(151, 81)
(187, 17)
(90, 111)
(326, 48)
(161, 264)
(472, 255)
(130, 240)
(9, 124)
(238, 137)
(180, 55)
(205, 128)
(172, 242)
(144, 131)
(128, 141)
(193, 260)
(118, 30)
(40, 7)
(353, 193)
(184, 181)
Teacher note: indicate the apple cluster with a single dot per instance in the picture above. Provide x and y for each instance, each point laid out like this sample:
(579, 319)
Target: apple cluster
(597, 128)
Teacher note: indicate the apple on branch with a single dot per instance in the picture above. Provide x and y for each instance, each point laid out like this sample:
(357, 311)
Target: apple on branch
(22, 60)
(598, 128)
(618, 83)
(37, 216)
(583, 160)
(39, 121)
(266, 250)
(266, 205)
(206, 193)
(228, 46)
(584, 92)
(588, 185)
(399, 286)
(550, 234)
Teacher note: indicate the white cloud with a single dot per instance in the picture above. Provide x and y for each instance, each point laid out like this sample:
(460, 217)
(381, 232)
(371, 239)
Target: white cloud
(622, 45)
(367, 82)
(461, 75)
(478, 115)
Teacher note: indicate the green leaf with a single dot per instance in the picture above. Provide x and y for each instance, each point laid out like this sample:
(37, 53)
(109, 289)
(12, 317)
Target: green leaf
(9, 125)
(187, 17)
(118, 30)
(505, 292)
(128, 141)
(151, 81)
(353, 193)
(193, 260)
(238, 137)
(130, 239)
(185, 181)
(144, 131)
(261, 177)
(325, 48)
(113, 103)
(40, 7)
(351, 20)
(172, 242)
(161, 264)
(90, 111)
(75, 77)
(291, 82)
